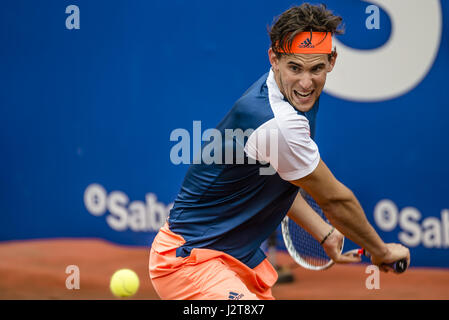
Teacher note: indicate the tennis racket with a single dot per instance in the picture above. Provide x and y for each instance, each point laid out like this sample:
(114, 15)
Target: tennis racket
(308, 253)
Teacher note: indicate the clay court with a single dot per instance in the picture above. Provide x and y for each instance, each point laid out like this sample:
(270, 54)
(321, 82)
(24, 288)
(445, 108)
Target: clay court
(35, 269)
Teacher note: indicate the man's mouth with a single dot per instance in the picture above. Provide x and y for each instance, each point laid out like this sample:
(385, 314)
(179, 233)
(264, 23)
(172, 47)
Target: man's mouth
(303, 94)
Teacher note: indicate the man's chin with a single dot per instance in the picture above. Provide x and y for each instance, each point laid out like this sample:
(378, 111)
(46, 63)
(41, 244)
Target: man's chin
(304, 107)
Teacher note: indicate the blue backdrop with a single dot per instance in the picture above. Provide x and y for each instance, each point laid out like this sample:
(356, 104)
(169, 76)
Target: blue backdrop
(87, 111)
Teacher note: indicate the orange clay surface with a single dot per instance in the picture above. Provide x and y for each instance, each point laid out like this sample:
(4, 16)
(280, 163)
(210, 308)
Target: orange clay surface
(36, 269)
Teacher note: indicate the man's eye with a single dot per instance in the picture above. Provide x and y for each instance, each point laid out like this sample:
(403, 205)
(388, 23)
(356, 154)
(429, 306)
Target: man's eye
(294, 68)
(317, 69)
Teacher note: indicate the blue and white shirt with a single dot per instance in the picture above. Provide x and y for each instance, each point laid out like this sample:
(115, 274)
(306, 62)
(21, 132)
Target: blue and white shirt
(234, 205)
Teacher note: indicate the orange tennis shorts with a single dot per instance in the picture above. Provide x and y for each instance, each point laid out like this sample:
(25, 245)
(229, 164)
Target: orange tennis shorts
(206, 274)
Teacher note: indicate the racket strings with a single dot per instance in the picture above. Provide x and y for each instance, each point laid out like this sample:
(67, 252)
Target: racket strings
(306, 246)
(308, 250)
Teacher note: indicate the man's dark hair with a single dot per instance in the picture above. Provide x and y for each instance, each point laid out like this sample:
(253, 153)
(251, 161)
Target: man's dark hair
(305, 17)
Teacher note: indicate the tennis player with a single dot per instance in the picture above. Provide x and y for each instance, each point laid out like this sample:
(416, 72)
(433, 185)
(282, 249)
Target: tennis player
(209, 247)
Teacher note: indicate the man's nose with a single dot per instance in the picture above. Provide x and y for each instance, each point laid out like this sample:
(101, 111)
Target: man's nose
(306, 82)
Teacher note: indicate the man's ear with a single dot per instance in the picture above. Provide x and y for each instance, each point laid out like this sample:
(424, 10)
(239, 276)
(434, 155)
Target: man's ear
(273, 59)
(332, 61)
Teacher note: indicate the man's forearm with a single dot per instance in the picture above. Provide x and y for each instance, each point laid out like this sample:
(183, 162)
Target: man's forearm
(349, 218)
(304, 216)
(342, 208)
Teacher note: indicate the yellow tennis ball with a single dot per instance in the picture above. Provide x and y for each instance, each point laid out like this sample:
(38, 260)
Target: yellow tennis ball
(124, 283)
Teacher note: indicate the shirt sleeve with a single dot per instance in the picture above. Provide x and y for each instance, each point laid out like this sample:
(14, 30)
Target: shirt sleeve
(286, 144)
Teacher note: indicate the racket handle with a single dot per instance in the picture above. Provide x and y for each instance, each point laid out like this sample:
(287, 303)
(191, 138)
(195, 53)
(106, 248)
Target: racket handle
(398, 266)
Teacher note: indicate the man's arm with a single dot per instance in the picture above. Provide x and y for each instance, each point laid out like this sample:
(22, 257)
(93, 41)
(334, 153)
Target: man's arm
(344, 212)
(304, 216)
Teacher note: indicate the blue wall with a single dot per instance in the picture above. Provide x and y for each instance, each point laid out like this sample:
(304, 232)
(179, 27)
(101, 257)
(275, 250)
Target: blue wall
(86, 114)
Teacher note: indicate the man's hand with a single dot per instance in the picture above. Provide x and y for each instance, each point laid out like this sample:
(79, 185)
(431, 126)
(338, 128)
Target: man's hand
(394, 253)
(332, 246)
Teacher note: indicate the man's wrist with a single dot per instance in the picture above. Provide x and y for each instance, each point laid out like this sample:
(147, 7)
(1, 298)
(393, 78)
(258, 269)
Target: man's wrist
(327, 236)
(380, 252)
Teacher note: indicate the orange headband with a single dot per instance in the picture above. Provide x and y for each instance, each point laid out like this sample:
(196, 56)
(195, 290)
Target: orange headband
(310, 42)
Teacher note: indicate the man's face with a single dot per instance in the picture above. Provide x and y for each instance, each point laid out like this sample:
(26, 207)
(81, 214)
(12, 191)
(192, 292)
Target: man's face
(301, 77)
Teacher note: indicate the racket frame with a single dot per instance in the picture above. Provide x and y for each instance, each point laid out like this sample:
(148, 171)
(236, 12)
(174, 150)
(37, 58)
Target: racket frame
(294, 253)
